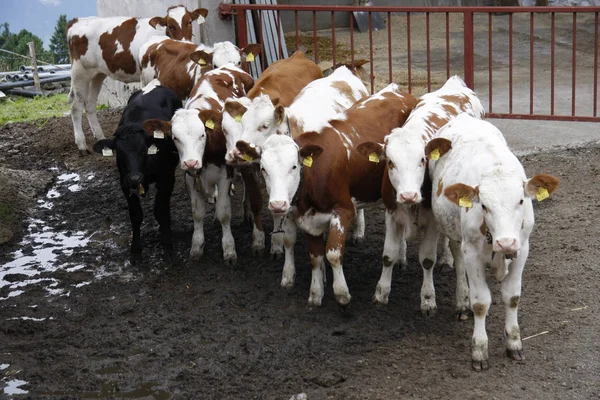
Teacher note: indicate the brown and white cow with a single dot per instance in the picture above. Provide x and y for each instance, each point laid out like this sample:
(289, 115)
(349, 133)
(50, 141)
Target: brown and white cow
(281, 82)
(337, 180)
(179, 64)
(101, 47)
(196, 131)
(405, 171)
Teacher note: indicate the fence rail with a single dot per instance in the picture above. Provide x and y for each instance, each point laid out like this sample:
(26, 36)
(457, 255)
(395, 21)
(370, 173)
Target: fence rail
(477, 44)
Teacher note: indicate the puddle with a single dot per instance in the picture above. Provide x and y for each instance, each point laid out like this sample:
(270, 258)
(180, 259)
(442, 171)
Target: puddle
(12, 387)
(42, 246)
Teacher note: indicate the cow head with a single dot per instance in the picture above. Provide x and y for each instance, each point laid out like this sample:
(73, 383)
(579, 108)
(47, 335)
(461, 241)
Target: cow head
(189, 130)
(264, 118)
(232, 126)
(503, 197)
(225, 53)
(406, 162)
(130, 143)
(356, 67)
(281, 162)
(178, 22)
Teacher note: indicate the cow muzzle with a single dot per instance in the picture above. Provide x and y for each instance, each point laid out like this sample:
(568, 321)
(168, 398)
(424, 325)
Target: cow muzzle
(506, 245)
(279, 207)
(191, 165)
(409, 198)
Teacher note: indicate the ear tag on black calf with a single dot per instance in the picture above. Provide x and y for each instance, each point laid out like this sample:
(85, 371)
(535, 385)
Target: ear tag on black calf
(158, 134)
(152, 150)
(106, 152)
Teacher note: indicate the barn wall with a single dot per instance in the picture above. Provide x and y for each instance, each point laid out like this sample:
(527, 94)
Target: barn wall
(116, 94)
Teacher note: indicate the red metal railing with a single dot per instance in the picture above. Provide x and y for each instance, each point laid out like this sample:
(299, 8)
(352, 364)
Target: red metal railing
(470, 72)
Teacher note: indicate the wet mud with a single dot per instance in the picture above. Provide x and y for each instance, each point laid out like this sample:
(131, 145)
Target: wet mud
(79, 320)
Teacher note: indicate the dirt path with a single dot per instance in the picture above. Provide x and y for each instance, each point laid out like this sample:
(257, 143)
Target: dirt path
(91, 325)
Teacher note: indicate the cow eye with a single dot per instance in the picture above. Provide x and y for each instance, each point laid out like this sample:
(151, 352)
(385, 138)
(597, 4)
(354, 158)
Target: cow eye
(265, 126)
(521, 202)
(423, 160)
(484, 208)
(390, 164)
(294, 167)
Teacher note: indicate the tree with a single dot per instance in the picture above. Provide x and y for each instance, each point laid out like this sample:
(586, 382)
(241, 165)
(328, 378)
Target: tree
(18, 43)
(58, 41)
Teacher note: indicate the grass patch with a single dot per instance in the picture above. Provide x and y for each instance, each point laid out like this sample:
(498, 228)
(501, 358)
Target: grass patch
(6, 214)
(342, 52)
(20, 109)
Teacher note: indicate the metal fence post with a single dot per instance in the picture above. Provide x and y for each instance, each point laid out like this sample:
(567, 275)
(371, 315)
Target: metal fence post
(469, 53)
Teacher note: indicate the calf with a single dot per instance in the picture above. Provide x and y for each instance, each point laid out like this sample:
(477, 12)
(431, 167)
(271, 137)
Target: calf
(404, 152)
(484, 205)
(336, 181)
(101, 47)
(196, 130)
(142, 160)
(180, 64)
(280, 83)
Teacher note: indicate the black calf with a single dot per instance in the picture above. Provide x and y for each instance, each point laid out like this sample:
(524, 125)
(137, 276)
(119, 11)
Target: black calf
(142, 160)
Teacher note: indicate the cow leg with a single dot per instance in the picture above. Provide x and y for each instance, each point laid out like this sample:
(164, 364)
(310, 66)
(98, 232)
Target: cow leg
(276, 238)
(481, 300)
(80, 84)
(358, 233)
(427, 259)
(288, 275)
(136, 216)
(316, 251)
(511, 295)
(252, 191)
(224, 216)
(446, 256)
(198, 213)
(162, 210)
(392, 247)
(90, 105)
(462, 287)
(338, 230)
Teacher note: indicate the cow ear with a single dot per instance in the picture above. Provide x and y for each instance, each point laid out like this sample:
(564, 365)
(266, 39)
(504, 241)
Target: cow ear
(201, 58)
(359, 63)
(313, 150)
(437, 147)
(250, 152)
(101, 144)
(199, 14)
(157, 128)
(211, 120)
(541, 186)
(160, 21)
(372, 150)
(279, 114)
(462, 195)
(250, 52)
(247, 82)
(275, 101)
(235, 109)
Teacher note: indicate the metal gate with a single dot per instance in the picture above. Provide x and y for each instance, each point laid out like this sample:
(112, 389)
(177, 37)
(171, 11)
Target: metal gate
(524, 62)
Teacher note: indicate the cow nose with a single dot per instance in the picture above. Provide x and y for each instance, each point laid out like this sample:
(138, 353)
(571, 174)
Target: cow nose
(191, 164)
(278, 206)
(507, 245)
(135, 178)
(408, 197)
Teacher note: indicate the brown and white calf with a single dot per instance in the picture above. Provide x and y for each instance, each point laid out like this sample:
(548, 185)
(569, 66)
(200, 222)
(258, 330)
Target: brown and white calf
(336, 181)
(101, 47)
(281, 82)
(405, 163)
(179, 64)
(196, 131)
(484, 205)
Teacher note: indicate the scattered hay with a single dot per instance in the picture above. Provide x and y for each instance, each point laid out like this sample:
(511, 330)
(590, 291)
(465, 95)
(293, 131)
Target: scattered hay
(324, 47)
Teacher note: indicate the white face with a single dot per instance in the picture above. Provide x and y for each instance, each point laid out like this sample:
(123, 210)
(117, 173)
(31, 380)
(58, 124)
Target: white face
(189, 135)
(503, 202)
(177, 14)
(259, 122)
(406, 166)
(226, 53)
(232, 130)
(280, 167)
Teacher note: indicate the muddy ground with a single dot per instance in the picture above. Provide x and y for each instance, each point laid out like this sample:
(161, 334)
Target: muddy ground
(97, 326)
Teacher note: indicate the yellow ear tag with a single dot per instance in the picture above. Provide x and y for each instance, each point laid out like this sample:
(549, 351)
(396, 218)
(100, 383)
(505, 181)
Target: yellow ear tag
(373, 157)
(250, 57)
(435, 154)
(238, 118)
(106, 152)
(542, 194)
(465, 202)
(210, 124)
(247, 157)
(141, 190)
(201, 62)
(308, 161)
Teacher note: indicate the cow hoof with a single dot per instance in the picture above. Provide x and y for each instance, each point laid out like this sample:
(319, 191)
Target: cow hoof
(516, 355)
(343, 300)
(230, 262)
(429, 312)
(196, 255)
(358, 240)
(480, 366)
(463, 315)
(288, 283)
(83, 153)
(258, 251)
(276, 256)
(344, 307)
(380, 298)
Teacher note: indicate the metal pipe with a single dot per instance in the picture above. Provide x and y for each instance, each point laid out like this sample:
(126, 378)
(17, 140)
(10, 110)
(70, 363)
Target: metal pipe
(12, 85)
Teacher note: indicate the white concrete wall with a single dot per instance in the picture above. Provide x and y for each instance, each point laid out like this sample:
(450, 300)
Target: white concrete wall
(116, 94)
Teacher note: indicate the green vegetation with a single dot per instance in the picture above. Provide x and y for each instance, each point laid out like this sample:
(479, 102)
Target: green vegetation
(19, 109)
(6, 214)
